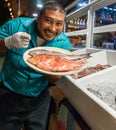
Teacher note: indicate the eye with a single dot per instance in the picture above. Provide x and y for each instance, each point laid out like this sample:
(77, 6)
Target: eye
(48, 20)
(59, 24)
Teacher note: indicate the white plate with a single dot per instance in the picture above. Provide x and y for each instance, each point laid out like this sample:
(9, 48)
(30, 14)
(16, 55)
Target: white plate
(26, 56)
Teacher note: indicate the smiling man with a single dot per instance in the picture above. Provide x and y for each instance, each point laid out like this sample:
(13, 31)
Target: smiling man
(51, 25)
(24, 93)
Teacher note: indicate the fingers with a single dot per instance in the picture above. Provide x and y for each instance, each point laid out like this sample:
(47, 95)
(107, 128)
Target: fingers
(25, 44)
(24, 39)
(25, 36)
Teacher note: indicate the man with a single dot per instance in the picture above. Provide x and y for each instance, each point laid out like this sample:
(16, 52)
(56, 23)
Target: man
(24, 94)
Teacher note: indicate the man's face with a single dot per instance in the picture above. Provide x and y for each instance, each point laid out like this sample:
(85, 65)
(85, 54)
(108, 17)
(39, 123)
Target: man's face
(50, 24)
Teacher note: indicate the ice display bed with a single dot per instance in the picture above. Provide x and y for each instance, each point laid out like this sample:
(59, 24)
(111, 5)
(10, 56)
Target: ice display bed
(99, 113)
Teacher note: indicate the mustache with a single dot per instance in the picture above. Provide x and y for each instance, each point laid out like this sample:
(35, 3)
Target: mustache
(50, 31)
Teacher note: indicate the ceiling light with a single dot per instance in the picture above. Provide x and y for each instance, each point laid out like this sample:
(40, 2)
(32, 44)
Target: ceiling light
(35, 15)
(39, 5)
(10, 9)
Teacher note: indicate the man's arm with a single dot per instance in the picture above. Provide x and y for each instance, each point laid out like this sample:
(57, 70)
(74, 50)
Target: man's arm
(3, 48)
(52, 78)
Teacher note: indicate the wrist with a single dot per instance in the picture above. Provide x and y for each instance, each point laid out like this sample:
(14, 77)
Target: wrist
(7, 42)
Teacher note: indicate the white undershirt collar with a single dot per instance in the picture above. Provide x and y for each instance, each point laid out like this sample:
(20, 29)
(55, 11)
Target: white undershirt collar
(40, 41)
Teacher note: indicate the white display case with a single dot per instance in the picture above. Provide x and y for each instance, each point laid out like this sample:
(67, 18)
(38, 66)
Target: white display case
(102, 57)
(97, 113)
(87, 50)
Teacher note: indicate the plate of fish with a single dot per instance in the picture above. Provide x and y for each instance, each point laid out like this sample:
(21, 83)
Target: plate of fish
(54, 61)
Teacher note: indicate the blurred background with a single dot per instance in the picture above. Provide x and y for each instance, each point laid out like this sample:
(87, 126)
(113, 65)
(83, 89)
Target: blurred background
(89, 23)
(10, 9)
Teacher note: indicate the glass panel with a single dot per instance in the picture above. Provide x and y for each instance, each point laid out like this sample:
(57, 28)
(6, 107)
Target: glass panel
(79, 5)
(76, 24)
(105, 15)
(105, 40)
(78, 42)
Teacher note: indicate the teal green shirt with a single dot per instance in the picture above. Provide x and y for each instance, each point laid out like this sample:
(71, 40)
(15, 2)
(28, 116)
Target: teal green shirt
(15, 74)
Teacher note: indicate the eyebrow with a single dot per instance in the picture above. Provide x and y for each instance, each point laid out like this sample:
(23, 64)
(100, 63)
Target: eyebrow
(53, 19)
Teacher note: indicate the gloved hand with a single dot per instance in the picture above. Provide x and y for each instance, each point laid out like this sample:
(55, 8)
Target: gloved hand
(17, 40)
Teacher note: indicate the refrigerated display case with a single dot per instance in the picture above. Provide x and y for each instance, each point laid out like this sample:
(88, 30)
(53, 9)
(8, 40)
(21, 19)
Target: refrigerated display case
(100, 17)
(84, 97)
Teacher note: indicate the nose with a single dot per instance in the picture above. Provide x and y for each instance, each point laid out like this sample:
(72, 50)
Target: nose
(53, 27)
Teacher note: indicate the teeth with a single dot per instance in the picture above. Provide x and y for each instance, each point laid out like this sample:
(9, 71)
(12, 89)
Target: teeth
(50, 34)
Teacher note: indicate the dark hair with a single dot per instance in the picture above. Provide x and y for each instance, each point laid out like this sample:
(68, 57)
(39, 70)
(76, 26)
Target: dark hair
(54, 5)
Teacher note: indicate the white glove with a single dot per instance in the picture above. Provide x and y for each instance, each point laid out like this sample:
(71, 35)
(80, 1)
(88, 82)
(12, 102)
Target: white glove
(17, 40)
